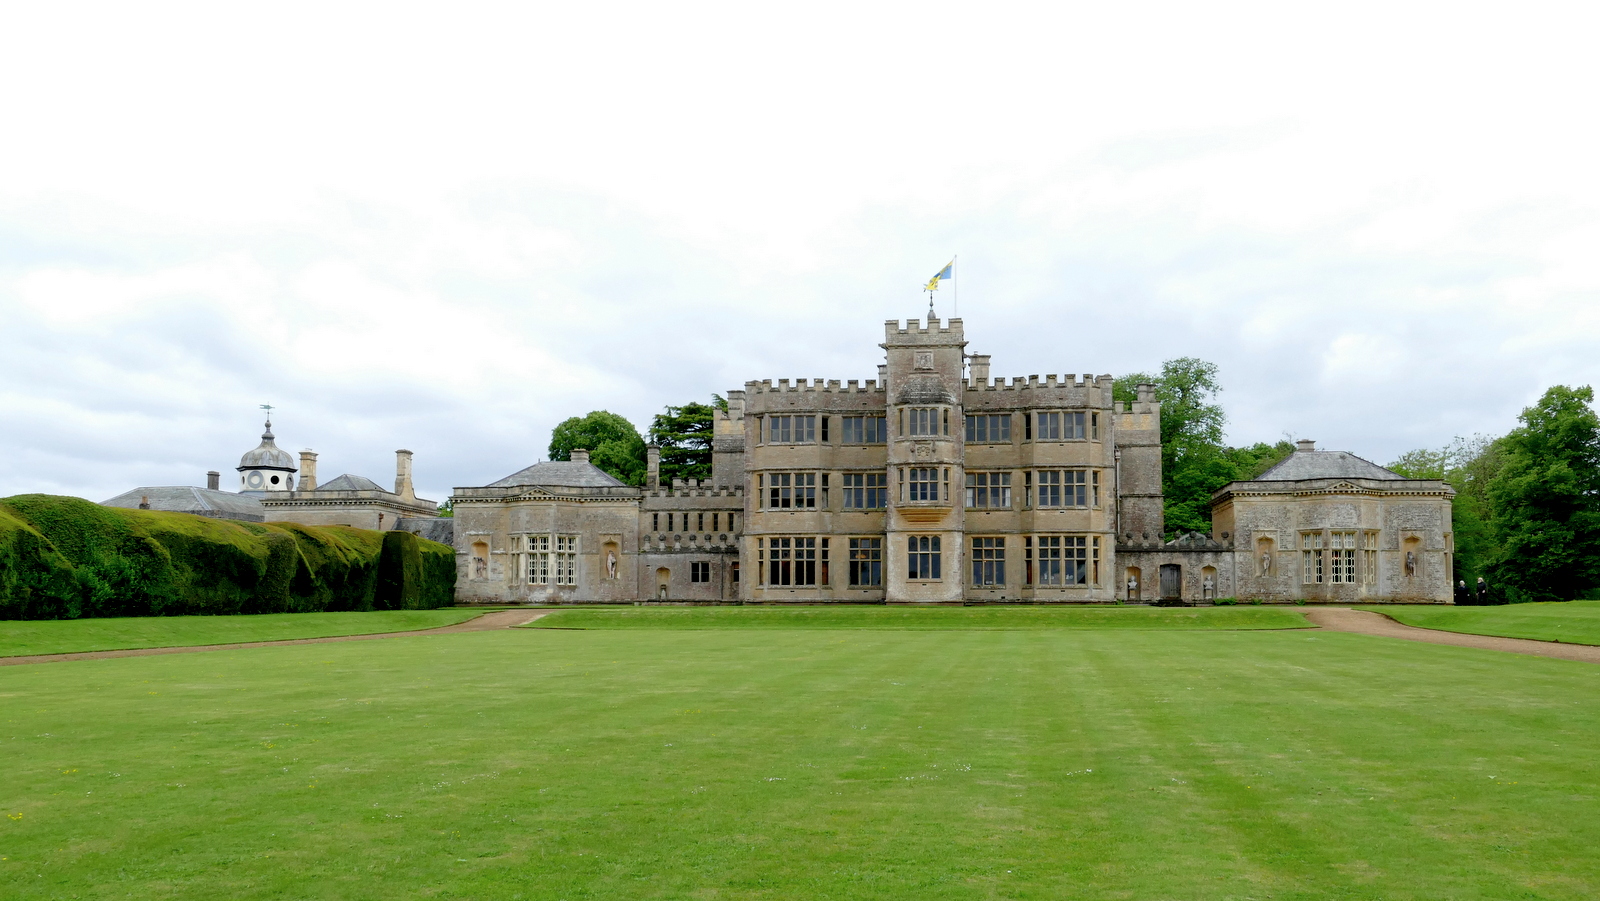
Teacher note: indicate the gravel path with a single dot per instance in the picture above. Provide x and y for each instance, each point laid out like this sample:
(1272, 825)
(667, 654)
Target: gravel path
(1343, 619)
(502, 619)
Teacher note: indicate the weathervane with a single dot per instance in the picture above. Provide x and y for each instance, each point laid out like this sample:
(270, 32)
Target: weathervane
(268, 408)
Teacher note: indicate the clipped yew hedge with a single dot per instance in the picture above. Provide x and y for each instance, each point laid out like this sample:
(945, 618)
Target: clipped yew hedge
(65, 557)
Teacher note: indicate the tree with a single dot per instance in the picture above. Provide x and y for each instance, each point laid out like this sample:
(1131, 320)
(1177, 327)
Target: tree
(1194, 462)
(1546, 500)
(684, 436)
(613, 444)
(447, 509)
(1468, 465)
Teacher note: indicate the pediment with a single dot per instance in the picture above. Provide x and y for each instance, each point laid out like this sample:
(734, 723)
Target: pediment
(1346, 486)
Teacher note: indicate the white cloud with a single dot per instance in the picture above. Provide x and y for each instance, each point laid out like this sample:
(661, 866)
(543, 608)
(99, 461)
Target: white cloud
(449, 230)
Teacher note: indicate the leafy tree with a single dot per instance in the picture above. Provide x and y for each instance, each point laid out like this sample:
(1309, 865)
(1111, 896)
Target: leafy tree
(1194, 462)
(447, 509)
(613, 443)
(1467, 465)
(684, 436)
(1546, 499)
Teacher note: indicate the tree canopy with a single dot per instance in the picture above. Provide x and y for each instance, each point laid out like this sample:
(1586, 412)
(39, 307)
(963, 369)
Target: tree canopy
(1545, 499)
(1194, 460)
(613, 443)
(1467, 465)
(684, 436)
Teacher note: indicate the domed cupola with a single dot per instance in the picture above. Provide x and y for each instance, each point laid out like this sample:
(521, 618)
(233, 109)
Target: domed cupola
(267, 468)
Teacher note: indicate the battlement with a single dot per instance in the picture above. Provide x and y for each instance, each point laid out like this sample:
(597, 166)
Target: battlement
(915, 331)
(1070, 380)
(852, 386)
(1149, 407)
(694, 488)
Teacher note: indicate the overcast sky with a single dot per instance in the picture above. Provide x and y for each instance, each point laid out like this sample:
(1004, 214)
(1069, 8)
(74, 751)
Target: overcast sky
(449, 227)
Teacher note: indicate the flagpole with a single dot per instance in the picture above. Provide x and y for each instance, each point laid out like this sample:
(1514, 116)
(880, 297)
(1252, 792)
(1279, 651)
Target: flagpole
(955, 288)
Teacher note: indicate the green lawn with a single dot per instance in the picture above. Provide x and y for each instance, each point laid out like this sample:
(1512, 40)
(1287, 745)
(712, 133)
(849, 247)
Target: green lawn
(847, 764)
(940, 618)
(62, 636)
(1576, 622)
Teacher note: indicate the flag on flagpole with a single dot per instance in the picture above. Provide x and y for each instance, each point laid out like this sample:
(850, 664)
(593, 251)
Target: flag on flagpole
(933, 283)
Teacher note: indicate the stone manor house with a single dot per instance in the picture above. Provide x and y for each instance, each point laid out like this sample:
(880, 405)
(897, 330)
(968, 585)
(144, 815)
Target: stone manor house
(934, 483)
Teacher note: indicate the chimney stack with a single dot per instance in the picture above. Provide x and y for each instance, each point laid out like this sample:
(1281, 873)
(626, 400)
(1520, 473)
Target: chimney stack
(1305, 445)
(214, 480)
(652, 477)
(144, 502)
(308, 471)
(579, 455)
(883, 375)
(978, 370)
(1147, 393)
(402, 475)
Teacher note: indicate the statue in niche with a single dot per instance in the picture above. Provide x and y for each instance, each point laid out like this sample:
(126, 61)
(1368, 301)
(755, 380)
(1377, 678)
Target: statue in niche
(1133, 588)
(611, 564)
(1411, 563)
(480, 568)
(1266, 564)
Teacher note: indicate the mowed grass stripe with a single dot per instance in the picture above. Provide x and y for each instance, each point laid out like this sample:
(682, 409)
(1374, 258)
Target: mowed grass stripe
(937, 618)
(811, 763)
(1575, 622)
(68, 636)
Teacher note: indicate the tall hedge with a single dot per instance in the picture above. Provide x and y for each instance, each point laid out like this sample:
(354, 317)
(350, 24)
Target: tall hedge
(64, 558)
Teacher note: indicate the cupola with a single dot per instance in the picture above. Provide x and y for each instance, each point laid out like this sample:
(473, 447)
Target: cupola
(267, 468)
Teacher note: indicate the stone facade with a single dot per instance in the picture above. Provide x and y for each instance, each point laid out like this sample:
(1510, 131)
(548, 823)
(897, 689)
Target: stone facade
(1321, 526)
(935, 484)
(566, 532)
(931, 484)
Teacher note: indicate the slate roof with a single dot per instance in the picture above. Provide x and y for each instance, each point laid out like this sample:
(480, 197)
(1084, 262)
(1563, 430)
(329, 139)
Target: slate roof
(348, 482)
(200, 501)
(1325, 465)
(560, 474)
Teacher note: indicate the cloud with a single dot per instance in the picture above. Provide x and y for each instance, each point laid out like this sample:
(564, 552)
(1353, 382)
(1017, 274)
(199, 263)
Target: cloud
(449, 232)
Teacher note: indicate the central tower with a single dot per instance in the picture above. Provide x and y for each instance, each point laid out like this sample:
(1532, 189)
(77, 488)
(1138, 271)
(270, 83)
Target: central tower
(925, 526)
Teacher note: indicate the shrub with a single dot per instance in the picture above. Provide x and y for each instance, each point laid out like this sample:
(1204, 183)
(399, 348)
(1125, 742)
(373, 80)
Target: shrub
(63, 558)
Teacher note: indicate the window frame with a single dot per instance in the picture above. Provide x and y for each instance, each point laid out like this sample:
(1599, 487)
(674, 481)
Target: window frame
(924, 558)
(865, 559)
(988, 428)
(988, 561)
(860, 491)
(863, 429)
(996, 487)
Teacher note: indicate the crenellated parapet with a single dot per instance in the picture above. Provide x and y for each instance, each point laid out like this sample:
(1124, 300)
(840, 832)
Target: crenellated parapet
(1036, 391)
(783, 386)
(695, 488)
(915, 331)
